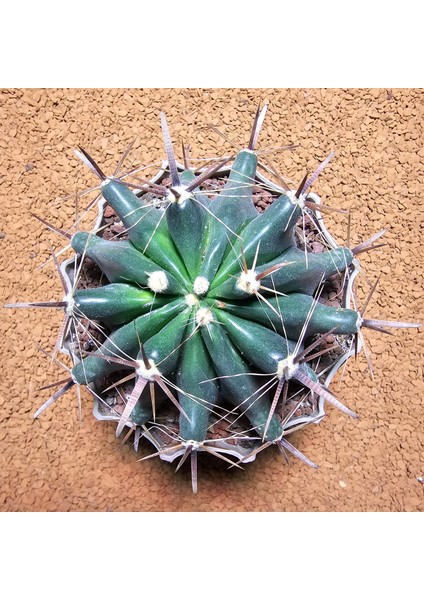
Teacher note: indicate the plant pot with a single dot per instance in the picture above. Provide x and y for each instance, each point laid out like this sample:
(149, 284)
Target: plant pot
(104, 402)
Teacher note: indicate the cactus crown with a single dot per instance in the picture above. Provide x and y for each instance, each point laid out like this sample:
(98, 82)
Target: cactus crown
(210, 306)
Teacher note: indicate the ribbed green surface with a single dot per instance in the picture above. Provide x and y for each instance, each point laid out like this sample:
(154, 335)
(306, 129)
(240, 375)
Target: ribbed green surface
(223, 351)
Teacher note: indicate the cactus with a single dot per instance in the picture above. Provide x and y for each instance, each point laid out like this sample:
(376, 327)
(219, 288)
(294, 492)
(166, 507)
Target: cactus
(210, 306)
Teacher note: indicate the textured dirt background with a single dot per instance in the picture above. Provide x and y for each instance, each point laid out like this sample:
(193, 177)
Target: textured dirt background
(58, 463)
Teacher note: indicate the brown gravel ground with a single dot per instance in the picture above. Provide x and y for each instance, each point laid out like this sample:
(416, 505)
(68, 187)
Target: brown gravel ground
(59, 463)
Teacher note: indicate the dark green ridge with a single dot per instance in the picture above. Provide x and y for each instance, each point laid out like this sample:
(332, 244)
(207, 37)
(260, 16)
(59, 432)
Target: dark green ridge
(262, 347)
(194, 368)
(117, 303)
(299, 276)
(271, 233)
(237, 385)
(235, 201)
(233, 206)
(143, 411)
(121, 262)
(125, 343)
(146, 227)
(305, 278)
(187, 176)
(293, 311)
(187, 226)
(164, 347)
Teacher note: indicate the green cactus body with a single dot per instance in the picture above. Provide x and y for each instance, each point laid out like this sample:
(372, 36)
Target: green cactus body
(187, 177)
(306, 272)
(262, 347)
(211, 301)
(213, 336)
(237, 384)
(142, 412)
(124, 342)
(163, 347)
(186, 220)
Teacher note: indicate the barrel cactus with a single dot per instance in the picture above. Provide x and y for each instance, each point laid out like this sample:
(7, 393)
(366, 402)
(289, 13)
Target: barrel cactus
(210, 307)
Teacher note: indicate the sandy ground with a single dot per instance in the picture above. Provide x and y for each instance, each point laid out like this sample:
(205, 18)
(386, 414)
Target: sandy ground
(62, 463)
